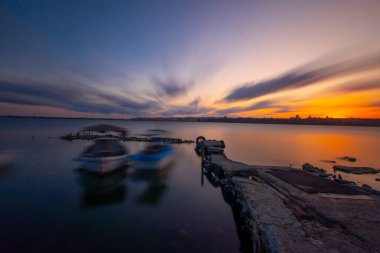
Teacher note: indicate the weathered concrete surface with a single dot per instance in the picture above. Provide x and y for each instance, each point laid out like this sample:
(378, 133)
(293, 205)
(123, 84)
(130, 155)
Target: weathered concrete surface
(281, 230)
(360, 218)
(290, 220)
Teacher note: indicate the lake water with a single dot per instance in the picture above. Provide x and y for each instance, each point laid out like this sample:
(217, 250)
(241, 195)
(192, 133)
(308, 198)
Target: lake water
(48, 206)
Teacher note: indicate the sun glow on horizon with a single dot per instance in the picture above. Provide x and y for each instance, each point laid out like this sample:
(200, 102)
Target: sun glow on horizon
(170, 59)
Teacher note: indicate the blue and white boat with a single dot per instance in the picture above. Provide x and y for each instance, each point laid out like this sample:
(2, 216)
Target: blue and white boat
(154, 157)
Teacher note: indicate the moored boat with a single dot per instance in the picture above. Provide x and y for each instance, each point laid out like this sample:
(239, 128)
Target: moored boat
(153, 157)
(106, 154)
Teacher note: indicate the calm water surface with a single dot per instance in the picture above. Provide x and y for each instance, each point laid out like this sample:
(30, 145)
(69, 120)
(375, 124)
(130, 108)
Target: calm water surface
(47, 206)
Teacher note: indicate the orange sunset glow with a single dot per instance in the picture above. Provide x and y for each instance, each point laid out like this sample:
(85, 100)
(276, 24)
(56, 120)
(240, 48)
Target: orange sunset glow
(192, 126)
(245, 60)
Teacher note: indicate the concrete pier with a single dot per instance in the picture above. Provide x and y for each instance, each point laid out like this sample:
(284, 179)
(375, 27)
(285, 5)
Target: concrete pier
(291, 210)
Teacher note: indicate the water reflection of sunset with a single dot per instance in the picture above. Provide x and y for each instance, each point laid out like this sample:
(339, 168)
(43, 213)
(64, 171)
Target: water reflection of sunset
(330, 143)
(285, 145)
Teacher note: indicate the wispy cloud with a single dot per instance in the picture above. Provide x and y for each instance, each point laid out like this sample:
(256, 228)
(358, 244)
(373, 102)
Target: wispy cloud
(171, 87)
(265, 104)
(356, 86)
(78, 98)
(192, 109)
(301, 77)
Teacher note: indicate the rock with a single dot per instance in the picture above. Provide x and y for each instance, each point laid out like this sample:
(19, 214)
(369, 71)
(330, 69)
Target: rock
(323, 174)
(315, 170)
(344, 181)
(377, 179)
(348, 158)
(366, 186)
(318, 169)
(340, 180)
(308, 167)
(328, 161)
(356, 170)
(369, 189)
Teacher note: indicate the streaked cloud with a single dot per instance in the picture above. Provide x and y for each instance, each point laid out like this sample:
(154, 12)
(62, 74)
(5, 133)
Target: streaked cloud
(77, 98)
(171, 87)
(303, 76)
(265, 104)
(356, 86)
(194, 108)
(127, 59)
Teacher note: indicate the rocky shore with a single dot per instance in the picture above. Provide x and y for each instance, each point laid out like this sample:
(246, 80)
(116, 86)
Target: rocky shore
(293, 210)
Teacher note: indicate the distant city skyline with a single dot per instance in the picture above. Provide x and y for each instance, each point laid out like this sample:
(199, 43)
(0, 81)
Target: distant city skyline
(126, 59)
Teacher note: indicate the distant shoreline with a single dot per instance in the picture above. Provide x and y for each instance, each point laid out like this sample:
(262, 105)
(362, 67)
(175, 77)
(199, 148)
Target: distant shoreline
(283, 121)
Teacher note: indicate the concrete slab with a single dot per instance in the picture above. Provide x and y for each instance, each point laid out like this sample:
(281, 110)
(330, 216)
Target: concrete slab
(345, 196)
(313, 184)
(289, 214)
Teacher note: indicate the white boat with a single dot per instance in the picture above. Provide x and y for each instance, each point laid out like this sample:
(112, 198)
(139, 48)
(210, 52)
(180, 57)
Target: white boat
(103, 156)
(106, 154)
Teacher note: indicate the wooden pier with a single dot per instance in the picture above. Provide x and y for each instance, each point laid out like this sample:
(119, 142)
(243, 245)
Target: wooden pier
(292, 210)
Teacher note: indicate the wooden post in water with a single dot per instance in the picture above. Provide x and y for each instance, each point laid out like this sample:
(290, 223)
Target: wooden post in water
(202, 163)
(203, 153)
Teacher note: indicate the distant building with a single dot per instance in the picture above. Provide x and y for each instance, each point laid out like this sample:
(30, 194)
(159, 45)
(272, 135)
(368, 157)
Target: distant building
(297, 117)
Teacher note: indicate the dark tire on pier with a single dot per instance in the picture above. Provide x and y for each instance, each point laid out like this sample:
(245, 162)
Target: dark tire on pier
(198, 146)
(200, 139)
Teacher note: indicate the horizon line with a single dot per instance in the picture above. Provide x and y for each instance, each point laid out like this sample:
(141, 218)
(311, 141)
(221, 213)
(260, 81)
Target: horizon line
(185, 117)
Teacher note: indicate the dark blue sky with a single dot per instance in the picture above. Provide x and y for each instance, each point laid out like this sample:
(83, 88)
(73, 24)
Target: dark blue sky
(149, 58)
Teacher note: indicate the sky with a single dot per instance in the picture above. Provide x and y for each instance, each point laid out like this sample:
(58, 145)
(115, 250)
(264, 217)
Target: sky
(125, 59)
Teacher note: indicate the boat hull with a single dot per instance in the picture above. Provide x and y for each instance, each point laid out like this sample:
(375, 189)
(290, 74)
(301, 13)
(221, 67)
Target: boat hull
(153, 164)
(102, 165)
(153, 161)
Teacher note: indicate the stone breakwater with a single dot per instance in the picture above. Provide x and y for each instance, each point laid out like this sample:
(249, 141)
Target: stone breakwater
(85, 136)
(291, 210)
